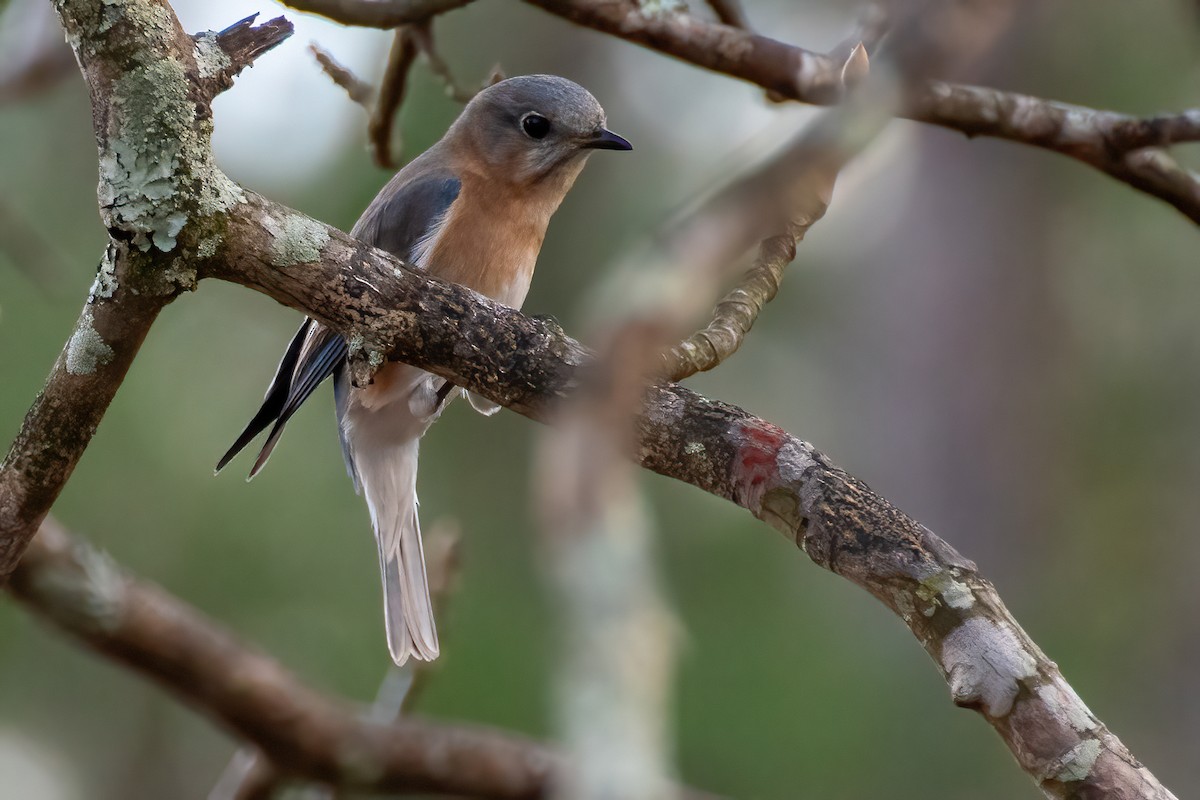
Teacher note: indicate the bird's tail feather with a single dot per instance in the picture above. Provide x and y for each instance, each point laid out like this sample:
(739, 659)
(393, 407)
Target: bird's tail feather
(389, 481)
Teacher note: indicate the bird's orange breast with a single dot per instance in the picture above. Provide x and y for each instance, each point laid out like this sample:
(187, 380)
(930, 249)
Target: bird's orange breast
(490, 240)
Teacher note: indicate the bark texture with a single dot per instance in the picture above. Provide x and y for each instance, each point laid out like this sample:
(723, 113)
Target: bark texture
(174, 217)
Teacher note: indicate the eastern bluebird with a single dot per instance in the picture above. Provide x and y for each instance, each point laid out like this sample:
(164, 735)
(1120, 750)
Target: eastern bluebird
(472, 209)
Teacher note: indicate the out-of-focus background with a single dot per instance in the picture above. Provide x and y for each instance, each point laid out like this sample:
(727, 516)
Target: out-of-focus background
(1001, 341)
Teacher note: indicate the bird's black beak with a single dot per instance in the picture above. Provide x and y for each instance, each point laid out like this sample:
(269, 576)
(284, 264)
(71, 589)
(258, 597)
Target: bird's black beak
(604, 139)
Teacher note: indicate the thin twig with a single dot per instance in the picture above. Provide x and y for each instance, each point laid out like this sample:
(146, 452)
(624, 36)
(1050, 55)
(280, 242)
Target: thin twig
(359, 91)
(391, 95)
(736, 313)
(423, 35)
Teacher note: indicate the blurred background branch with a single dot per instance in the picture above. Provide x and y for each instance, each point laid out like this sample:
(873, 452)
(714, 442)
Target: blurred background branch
(251, 775)
(85, 593)
(33, 56)
(383, 105)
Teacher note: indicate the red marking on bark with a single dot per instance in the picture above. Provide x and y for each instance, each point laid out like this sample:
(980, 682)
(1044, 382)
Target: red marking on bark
(756, 459)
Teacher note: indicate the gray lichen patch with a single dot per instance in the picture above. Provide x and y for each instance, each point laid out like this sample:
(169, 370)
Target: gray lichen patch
(659, 8)
(986, 663)
(1077, 764)
(298, 241)
(105, 285)
(156, 169)
(138, 178)
(944, 587)
(1058, 695)
(89, 596)
(180, 275)
(211, 60)
(208, 246)
(87, 350)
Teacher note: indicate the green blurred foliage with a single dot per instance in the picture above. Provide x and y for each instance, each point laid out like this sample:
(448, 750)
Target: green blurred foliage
(791, 681)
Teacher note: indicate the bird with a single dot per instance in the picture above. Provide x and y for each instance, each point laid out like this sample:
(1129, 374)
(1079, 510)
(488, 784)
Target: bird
(472, 209)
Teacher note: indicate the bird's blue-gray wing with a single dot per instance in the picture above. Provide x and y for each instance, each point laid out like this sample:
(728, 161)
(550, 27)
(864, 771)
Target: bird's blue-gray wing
(407, 212)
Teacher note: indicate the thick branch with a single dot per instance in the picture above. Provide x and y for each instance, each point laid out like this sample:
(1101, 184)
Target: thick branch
(990, 664)
(65, 415)
(161, 198)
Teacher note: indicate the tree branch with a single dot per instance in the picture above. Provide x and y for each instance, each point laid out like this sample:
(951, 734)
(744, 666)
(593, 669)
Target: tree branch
(988, 661)
(391, 95)
(792, 72)
(377, 13)
(1108, 141)
(142, 71)
(83, 592)
(238, 45)
(161, 198)
(65, 415)
(357, 89)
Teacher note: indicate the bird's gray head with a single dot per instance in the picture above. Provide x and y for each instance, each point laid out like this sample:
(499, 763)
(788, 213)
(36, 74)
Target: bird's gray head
(535, 127)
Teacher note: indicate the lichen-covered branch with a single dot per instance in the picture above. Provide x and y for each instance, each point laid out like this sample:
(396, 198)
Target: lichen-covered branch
(990, 664)
(65, 415)
(162, 200)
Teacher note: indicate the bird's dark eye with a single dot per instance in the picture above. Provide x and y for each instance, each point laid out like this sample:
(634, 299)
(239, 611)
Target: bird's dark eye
(535, 126)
